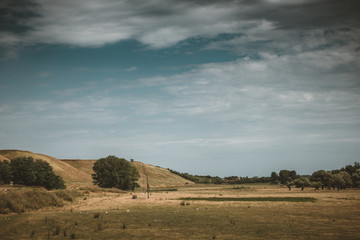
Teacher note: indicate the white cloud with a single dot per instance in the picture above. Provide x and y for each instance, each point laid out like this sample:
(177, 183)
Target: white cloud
(131, 69)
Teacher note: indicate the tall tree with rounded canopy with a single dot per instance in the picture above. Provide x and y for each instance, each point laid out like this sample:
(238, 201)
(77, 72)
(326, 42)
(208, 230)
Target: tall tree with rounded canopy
(115, 172)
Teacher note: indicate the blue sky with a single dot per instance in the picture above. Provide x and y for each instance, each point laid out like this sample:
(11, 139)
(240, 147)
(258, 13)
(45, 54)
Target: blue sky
(206, 87)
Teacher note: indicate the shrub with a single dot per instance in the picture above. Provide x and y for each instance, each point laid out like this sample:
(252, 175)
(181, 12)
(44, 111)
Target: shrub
(68, 195)
(6, 175)
(22, 200)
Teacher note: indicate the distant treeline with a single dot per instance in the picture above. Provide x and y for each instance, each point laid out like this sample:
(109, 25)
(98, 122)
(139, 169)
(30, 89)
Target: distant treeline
(346, 177)
(242, 180)
(197, 178)
(217, 180)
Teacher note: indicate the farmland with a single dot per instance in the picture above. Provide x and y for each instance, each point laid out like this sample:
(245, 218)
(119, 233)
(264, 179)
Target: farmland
(116, 215)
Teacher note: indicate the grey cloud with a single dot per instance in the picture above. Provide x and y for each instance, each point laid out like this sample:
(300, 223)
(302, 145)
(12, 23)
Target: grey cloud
(165, 23)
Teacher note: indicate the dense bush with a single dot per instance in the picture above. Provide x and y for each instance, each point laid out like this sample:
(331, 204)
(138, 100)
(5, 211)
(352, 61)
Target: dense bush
(6, 175)
(26, 171)
(115, 172)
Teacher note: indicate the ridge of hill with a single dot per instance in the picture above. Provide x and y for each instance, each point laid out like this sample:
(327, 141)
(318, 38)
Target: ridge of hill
(78, 171)
(157, 176)
(66, 171)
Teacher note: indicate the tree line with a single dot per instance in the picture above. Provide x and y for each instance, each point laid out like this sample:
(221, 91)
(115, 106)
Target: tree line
(198, 178)
(346, 177)
(30, 172)
(207, 179)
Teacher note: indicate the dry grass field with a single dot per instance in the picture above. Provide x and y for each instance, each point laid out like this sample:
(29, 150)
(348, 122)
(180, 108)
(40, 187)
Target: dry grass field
(115, 215)
(176, 209)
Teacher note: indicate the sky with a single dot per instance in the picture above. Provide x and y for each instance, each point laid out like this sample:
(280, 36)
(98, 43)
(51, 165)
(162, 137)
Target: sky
(231, 87)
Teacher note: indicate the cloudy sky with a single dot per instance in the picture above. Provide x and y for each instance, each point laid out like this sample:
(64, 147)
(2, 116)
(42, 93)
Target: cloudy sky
(231, 87)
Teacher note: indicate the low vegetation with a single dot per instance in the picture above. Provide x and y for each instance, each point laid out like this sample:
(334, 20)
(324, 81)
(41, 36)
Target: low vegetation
(334, 215)
(198, 179)
(164, 190)
(22, 200)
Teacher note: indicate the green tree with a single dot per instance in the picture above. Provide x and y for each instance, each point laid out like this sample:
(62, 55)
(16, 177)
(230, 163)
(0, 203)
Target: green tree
(302, 182)
(274, 178)
(320, 177)
(23, 171)
(356, 178)
(28, 172)
(115, 172)
(46, 177)
(287, 176)
(5, 172)
(347, 179)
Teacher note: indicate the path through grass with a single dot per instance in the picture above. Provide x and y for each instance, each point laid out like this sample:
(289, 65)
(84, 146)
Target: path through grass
(252, 199)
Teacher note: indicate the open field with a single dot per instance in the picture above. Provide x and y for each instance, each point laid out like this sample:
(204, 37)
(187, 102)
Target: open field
(115, 215)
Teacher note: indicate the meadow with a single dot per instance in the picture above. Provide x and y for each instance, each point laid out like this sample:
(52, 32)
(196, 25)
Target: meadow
(259, 211)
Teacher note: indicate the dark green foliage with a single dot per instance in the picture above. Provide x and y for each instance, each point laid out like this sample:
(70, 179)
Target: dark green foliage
(286, 176)
(26, 171)
(197, 178)
(115, 172)
(243, 180)
(217, 180)
(321, 177)
(164, 190)
(354, 172)
(23, 171)
(274, 178)
(302, 182)
(6, 175)
(343, 178)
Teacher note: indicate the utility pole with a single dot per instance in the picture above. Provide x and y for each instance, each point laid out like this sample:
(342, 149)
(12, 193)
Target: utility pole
(147, 182)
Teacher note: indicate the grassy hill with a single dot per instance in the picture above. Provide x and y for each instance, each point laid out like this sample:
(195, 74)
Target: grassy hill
(78, 172)
(2, 158)
(158, 177)
(66, 171)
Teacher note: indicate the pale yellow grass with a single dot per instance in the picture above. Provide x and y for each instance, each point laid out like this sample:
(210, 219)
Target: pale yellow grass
(334, 215)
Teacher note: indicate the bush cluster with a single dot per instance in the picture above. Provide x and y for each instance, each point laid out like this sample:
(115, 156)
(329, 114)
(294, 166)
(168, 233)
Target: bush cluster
(29, 172)
(343, 178)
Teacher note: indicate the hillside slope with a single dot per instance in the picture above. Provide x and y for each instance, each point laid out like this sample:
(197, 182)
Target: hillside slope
(2, 158)
(78, 172)
(66, 171)
(158, 177)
